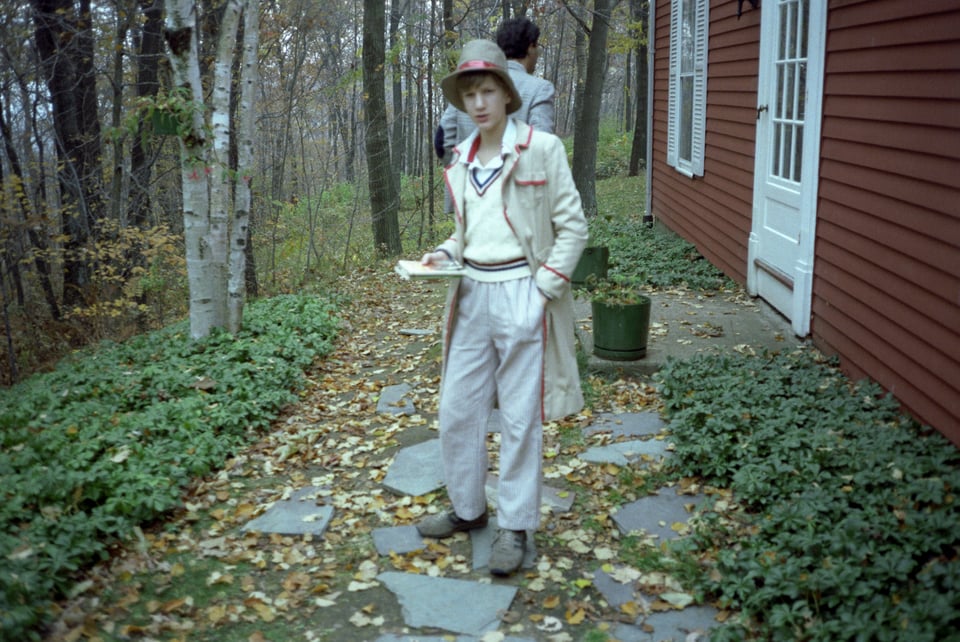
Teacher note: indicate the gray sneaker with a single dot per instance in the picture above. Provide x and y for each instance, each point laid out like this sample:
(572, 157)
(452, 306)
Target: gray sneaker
(446, 524)
(507, 552)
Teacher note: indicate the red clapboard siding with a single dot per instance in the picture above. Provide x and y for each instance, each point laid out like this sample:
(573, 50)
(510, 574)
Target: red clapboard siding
(887, 270)
(712, 211)
(886, 294)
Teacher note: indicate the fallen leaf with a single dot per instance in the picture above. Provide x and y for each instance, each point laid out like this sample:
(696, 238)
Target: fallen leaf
(551, 624)
(677, 600)
(576, 617)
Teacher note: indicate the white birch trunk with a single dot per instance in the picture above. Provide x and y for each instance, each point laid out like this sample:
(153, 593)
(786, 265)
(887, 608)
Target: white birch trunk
(249, 77)
(203, 274)
(221, 184)
(208, 182)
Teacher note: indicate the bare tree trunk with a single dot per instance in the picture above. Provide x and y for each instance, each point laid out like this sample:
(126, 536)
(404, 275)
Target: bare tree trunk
(206, 265)
(396, 146)
(65, 43)
(148, 84)
(587, 132)
(638, 151)
(384, 198)
(246, 130)
(37, 239)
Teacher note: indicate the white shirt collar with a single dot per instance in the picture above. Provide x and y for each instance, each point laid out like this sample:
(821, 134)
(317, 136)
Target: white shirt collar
(506, 144)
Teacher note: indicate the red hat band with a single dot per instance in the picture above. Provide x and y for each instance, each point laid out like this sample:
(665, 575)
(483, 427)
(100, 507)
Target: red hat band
(477, 64)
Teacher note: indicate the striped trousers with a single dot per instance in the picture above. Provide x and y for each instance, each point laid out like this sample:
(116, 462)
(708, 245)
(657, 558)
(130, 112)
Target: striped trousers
(495, 355)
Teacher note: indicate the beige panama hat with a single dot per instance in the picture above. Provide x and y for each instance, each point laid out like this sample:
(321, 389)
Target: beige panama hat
(480, 55)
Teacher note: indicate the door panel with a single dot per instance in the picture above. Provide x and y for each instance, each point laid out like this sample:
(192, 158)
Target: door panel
(785, 176)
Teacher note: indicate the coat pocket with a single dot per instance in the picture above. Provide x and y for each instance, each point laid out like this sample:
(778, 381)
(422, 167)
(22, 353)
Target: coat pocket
(529, 191)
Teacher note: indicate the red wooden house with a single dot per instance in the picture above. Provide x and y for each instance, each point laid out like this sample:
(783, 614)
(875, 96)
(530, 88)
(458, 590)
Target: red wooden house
(811, 150)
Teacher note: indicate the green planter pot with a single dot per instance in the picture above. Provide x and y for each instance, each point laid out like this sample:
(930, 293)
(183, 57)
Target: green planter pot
(595, 261)
(620, 331)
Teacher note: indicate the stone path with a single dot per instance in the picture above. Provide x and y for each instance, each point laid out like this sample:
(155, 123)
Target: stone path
(472, 610)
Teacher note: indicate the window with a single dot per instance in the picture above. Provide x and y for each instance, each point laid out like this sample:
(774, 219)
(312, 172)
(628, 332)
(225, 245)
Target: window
(687, 93)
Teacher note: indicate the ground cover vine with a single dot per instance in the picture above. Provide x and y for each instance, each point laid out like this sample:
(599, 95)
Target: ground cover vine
(850, 522)
(112, 438)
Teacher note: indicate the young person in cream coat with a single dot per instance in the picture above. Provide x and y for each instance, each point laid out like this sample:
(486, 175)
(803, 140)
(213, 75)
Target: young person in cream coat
(509, 332)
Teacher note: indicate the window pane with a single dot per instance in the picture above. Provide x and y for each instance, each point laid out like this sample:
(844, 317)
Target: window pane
(798, 154)
(686, 118)
(687, 40)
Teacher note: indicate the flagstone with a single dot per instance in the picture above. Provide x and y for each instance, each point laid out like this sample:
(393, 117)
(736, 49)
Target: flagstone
(297, 515)
(398, 539)
(656, 514)
(629, 424)
(625, 452)
(460, 606)
(416, 470)
(394, 400)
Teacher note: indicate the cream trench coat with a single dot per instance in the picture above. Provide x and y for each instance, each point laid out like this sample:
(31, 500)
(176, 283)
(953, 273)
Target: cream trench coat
(542, 207)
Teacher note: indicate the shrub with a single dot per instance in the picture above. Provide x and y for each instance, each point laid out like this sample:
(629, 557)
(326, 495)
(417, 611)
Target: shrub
(110, 439)
(850, 523)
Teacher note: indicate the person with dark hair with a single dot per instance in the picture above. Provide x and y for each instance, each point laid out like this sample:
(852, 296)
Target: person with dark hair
(519, 229)
(519, 39)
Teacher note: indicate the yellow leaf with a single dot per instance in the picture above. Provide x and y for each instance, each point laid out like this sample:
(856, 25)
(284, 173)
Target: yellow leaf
(265, 611)
(576, 617)
(630, 608)
(551, 602)
(216, 613)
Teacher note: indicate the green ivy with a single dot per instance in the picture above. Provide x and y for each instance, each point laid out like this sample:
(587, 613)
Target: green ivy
(111, 438)
(850, 527)
(658, 257)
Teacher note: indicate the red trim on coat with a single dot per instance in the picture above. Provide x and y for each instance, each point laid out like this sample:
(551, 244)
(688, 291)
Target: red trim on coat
(560, 274)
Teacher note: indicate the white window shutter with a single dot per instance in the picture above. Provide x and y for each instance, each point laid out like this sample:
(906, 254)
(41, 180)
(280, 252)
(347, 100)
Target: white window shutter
(674, 79)
(701, 45)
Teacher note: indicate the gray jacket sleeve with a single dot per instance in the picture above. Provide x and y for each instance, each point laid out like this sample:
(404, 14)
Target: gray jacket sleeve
(448, 121)
(541, 115)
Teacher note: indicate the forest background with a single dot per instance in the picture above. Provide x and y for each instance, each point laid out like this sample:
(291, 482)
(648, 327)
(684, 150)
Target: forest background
(94, 239)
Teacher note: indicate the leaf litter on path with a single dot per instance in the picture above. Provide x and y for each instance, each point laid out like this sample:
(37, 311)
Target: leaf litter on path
(197, 576)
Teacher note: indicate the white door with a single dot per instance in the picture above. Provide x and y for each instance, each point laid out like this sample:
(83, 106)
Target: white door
(789, 94)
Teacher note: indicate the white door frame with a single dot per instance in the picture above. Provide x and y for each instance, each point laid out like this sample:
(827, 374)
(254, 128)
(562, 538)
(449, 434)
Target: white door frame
(800, 275)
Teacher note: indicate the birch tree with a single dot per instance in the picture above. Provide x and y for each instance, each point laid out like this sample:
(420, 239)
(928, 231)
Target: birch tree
(216, 197)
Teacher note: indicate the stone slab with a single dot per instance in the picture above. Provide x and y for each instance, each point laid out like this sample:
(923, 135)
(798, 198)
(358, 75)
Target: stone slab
(692, 624)
(558, 500)
(460, 606)
(626, 452)
(390, 637)
(615, 593)
(398, 539)
(416, 470)
(656, 514)
(629, 424)
(394, 400)
(676, 625)
(416, 332)
(298, 515)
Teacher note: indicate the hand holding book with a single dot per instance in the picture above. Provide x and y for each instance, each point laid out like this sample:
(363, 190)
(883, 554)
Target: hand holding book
(433, 270)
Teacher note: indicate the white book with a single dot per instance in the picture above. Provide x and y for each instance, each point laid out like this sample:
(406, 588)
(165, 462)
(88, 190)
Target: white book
(417, 270)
